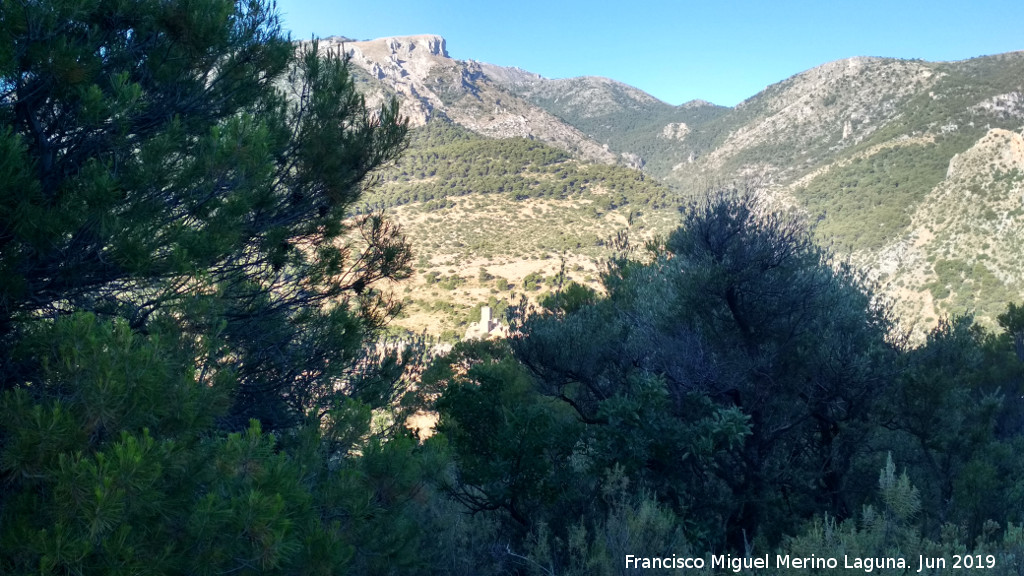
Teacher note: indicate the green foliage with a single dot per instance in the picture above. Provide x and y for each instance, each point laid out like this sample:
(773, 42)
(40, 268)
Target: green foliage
(869, 201)
(187, 372)
(1013, 322)
(646, 368)
(632, 521)
(532, 281)
(890, 531)
(191, 379)
(951, 411)
(444, 161)
(570, 298)
(491, 416)
(114, 466)
(450, 282)
(730, 390)
(805, 343)
(207, 185)
(564, 514)
(887, 531)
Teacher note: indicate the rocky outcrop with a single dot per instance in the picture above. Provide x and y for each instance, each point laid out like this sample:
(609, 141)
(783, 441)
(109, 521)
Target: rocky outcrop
(400, 67)
(675, 131)
(974, 221)
(1010, 105)
(419, 71)
(823, 110)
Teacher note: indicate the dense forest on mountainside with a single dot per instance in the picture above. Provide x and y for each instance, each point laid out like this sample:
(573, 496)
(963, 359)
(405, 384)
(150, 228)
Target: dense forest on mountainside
(444, 160)
(195, 376)
(629, 122)
(869, 201)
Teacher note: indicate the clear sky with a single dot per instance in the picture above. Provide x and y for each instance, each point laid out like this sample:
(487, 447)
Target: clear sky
(718, 50)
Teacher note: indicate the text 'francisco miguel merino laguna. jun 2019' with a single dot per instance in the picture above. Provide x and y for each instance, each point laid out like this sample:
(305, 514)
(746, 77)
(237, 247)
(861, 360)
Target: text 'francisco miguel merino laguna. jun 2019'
(786, 561)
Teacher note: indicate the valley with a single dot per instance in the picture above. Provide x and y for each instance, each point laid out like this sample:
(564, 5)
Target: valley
(912, 170)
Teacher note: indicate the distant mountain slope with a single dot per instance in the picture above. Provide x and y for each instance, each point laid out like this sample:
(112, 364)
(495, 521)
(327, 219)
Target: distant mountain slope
(898, 166)
(962, 249)
(489, 217)
(641, 128)
(888, 156)
(429, 83)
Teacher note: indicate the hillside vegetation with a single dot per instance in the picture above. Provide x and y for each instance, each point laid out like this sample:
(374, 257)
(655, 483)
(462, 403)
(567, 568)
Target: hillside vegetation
(868, 202)
(494, 219)
(654, 135)
(445, 161)
(197, 375)
(858, 146)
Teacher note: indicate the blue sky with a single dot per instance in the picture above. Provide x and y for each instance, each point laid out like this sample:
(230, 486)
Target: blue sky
(717, 50)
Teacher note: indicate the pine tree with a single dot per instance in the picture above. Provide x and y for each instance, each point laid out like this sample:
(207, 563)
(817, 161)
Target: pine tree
(184, 159)
(187, 309)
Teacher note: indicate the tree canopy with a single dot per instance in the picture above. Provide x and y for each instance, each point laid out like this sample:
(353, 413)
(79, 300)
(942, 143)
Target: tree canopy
(193, 378)
(180, 277)
(184, 160)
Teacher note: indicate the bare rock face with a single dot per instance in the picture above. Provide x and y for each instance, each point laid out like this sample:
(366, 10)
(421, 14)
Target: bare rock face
(1009, 105)
(412, 54)
(675, 131)
(427, 81)
(634, 161)
(400, 65)
(825, 109)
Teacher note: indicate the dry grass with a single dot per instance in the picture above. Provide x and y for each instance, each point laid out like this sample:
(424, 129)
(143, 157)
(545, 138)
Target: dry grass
(510, 240)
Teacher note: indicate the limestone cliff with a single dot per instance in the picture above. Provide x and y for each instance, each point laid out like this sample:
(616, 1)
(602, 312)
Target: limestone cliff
(429, 82)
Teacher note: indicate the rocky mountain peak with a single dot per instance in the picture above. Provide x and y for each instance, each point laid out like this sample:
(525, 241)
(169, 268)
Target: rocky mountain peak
(411, 46)
(696, 103)
(403, 64)
(399, 56)
(428, 82)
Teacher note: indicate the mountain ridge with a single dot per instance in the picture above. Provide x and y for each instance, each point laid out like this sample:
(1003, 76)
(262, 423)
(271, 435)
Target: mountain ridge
(867, 147)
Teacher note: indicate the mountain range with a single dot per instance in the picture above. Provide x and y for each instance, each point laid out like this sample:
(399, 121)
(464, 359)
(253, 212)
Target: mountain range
(912, 169)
